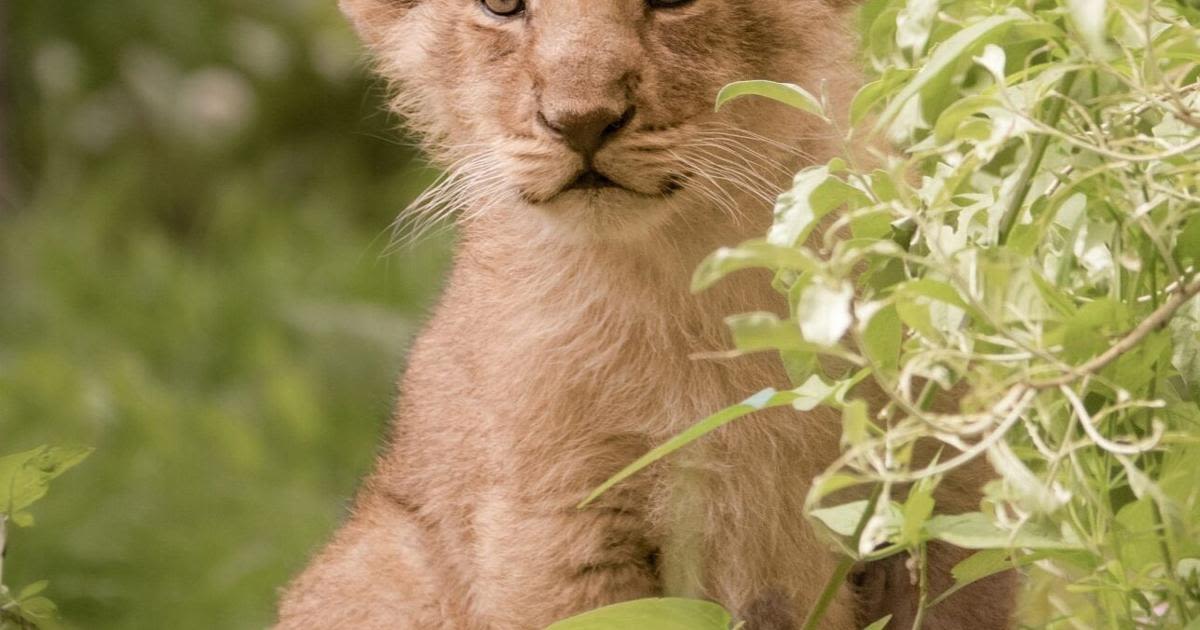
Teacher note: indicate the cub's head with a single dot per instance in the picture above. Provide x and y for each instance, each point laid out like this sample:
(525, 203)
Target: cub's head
(599, 113)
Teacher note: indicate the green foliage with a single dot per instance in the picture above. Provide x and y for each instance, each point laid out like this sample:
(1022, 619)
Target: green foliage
(192, 284)
(24, 479)
(1028, 256)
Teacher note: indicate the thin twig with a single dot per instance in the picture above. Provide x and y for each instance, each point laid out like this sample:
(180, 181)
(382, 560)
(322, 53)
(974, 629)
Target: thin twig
(1157, 319)
(843, 568)
(1038, 151)
(922, 559)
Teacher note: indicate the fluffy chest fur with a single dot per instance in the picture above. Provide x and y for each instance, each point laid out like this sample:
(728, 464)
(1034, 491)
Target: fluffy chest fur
(551, 365)
(592, 176)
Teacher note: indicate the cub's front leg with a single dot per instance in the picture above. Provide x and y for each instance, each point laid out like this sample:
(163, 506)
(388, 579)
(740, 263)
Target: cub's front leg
(540, 559)
(888, 588)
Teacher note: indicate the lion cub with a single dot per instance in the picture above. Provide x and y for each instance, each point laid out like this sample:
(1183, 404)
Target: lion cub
(592, 176)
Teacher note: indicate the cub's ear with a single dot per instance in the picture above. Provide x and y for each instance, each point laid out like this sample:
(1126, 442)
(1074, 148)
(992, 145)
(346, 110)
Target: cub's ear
(371, 18)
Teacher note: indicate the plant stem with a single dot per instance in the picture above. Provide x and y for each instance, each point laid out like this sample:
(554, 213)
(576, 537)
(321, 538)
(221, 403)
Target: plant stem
(923, 584)
(1037, 152)
(3, 545)
(1157, 319)
(843, 568)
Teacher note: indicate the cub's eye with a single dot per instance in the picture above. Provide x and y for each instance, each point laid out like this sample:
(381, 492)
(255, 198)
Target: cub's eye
(667, 4)
(503, 8)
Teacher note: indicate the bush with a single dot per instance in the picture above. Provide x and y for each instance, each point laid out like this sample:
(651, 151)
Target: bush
(1033, 246)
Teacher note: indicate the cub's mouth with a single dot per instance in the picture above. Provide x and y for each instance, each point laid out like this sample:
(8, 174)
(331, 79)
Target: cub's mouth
(591, 179)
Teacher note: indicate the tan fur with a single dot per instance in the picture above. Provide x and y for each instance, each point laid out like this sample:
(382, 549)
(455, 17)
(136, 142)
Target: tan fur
(564, 345)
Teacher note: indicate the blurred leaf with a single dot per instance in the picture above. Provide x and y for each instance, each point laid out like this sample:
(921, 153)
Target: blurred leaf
(664, 614)
(844, 519)
(765, 331)
(883, 336)
(765, 399)
(879, 624)
(855, 424)
(824, 313)
(913, 24)
(977, 566)
(1089, 16)
(26, 477)
(917, 510)
(934, 74)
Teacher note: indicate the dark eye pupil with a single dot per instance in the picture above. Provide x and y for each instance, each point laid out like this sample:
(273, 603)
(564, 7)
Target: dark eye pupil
(504, 7)
(666, 4)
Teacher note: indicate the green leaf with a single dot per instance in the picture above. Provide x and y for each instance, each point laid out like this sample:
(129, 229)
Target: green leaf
(953, 117)
(656, 614)
(751, 255)
(934, 74)
(855, 424)
(815, 193)
(799, 364)
(977, 531)
(913, 25)
(934, 290)
(1185, 342)
(1084, 334)
(786, 93)
(980, 565)
(883, 337)
(33, 589)
(25, 477)
(916, 315)
(766, 399)
(869, 95)
(1188, 242)
(1053, 295)
(824, 313)
(827, 484)
(879, 624)
(765, 331)
(843, 519)
(1088, 17)
(917, 510)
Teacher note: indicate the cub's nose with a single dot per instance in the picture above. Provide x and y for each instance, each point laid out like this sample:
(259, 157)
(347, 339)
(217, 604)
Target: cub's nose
(585, 131)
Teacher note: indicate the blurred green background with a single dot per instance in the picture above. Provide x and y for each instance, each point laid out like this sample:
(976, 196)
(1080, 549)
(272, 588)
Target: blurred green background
(194, 209)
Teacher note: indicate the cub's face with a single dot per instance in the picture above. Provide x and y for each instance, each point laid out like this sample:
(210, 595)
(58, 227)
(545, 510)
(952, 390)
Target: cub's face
(600, 112)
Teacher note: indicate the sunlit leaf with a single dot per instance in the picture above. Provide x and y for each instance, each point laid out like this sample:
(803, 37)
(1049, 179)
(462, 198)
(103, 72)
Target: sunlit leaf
(934, 73)
(977, 531)
(750, 255)
(26, 477)
(664, 614)
(815, 193)
(765, 399)
(786, 93)
(824, 313)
